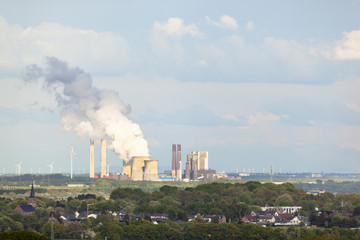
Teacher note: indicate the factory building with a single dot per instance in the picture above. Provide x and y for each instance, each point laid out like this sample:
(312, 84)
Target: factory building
(176, 162)
(141, 168)
(197, 166)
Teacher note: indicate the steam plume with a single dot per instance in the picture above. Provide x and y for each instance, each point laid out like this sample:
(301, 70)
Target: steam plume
(90, 111)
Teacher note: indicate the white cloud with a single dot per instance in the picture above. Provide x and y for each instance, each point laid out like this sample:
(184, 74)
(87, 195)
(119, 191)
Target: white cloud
(176, 27)
(20, 46)
(201, 63)
(249, 25)
(262, 118)
(349, 47)
(229, 117)
(225, 22)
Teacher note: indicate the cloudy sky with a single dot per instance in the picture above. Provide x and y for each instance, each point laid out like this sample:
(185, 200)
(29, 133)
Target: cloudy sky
(255, 83)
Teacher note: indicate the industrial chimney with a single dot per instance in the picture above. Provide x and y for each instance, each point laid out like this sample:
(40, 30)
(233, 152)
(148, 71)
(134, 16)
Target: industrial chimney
(173, 170)
(178, 173)
(92, 168)
(103, 158)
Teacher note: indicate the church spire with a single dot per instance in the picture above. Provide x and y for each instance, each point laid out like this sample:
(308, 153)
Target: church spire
(32, 193)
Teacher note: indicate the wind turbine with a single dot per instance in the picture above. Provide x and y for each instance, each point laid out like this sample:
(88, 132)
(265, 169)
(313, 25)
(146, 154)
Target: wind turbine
(18, 168)
(51, 167)
(71, 160)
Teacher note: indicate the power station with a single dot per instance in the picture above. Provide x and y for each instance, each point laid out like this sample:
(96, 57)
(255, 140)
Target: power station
(197, 162)
(143, 168)
(139, 168)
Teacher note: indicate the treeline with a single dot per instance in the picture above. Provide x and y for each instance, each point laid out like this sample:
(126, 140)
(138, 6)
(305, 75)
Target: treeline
(332, 186)
(231, 200)
(145, 230)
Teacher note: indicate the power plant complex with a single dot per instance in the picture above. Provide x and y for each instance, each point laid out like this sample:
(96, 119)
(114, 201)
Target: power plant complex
(197, 165)
(143, 168)
(139, 168)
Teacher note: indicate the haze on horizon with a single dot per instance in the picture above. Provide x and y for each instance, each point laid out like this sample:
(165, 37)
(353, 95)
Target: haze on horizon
(253, 83)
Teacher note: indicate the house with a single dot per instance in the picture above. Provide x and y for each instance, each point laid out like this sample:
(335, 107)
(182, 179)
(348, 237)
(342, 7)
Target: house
(25, 209)
(248, 219)
(28, 209)
(287, 221)
(274, 218)
(209, 218)
(283, 209)
(69, 218)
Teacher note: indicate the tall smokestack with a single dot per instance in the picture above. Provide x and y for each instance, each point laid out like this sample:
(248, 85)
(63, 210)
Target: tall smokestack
(178, 174)
(173, 169)
(92, 168)
(103, 158)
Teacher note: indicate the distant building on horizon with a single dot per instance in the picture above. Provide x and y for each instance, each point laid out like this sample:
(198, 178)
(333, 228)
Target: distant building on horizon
(197, 166)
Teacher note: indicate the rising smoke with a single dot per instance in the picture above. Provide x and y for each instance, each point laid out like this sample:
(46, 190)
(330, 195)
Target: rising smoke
(90, 111)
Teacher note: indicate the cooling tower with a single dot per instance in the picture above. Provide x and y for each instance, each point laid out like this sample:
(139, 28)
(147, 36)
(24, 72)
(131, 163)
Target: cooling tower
(137, 171)
(151, 170)
(127, 168)
(103, 158)
(92, 168)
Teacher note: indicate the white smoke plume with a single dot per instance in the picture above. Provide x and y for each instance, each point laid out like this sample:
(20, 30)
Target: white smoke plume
(90, 111)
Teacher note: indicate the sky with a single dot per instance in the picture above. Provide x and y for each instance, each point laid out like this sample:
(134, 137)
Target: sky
(254, 83)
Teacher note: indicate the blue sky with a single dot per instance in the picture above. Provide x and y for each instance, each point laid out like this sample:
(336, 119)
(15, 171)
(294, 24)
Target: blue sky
(255, 83)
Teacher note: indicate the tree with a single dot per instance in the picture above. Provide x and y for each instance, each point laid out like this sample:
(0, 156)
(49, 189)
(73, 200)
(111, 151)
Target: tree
(58, 228)
(74, 204)
(168, 190)
(73, 229)
(28, 235)
(111, 230)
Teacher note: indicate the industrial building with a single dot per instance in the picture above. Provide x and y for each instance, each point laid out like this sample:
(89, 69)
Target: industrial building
(141, 168)
(197, 166)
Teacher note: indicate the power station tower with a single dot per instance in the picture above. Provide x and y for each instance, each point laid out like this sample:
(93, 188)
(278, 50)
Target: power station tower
(103, 158)
(179, 167)
(173, 169)
(176, 162)
(92, 163)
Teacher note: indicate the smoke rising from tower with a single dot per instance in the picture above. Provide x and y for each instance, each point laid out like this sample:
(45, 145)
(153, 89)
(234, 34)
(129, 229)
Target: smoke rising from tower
(90, 111)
